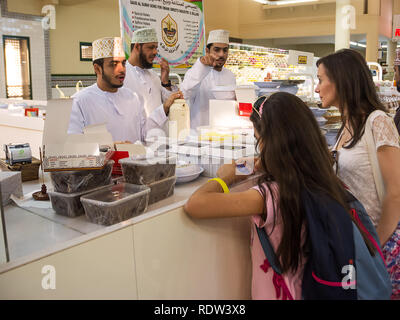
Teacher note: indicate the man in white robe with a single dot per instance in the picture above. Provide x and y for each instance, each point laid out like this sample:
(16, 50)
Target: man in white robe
(108, 102)
(140, 77)
(207, 73)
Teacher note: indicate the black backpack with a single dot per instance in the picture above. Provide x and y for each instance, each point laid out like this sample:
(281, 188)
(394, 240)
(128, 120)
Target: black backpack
(339, 265)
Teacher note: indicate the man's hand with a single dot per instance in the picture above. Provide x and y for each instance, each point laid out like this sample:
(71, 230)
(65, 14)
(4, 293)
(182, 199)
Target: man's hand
(164, 66)
(168, 103)
(209, 60)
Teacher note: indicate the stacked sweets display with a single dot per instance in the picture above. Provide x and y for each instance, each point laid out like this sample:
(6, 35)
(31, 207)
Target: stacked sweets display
(91, 192)
(69, 186)
(116, 203)
(157, 173)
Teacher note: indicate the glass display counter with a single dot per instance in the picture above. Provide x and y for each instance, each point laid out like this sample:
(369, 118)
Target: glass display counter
(257, 64)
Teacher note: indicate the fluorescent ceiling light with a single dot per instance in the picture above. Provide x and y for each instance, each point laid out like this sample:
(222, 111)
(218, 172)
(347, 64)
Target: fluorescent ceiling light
(283, 2)
(357, 44)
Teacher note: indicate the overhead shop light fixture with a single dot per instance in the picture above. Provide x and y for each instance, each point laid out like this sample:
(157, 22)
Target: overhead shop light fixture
(357, 44)
(384, 46)
(283, 2)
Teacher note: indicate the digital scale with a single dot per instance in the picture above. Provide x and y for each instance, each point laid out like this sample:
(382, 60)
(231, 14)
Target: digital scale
(18, 153)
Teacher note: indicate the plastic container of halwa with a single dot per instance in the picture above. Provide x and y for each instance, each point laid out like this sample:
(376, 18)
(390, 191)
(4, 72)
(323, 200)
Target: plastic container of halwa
(116, 203)
(81, 180)
(161, 189)
(69, 204)
(146, 171)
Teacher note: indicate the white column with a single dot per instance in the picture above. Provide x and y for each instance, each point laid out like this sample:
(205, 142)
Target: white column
(371, 53)
(345, 15)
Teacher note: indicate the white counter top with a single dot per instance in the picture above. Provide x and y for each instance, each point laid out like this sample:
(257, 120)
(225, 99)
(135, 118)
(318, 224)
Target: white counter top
(73, 231)
(10, 119)
(36, 103)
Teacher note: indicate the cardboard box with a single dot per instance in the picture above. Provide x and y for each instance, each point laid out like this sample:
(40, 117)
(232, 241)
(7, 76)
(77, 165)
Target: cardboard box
(76, 151)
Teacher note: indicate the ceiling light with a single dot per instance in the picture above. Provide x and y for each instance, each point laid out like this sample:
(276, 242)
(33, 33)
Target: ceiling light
(357, 44)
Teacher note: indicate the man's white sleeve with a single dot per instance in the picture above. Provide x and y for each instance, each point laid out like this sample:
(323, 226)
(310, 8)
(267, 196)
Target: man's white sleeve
(76, 121)
(193, 78)
(165, 93)
(155, 120)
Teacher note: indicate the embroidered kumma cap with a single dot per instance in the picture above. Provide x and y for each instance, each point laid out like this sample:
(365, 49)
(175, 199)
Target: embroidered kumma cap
(218, 36)
(108, 48)
(144, 35)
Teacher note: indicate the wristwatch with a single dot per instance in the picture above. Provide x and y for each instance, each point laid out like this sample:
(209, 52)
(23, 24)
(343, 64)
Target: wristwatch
(166, 85)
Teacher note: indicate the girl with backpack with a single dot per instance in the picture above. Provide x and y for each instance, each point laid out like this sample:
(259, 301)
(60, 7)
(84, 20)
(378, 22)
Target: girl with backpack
(293, 157)
(367, 151)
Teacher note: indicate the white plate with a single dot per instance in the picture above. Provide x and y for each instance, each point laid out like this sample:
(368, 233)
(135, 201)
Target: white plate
(318, 112)
(289, 89)
(268, 84)
(321, 121)
(190, 177)
(184, 168)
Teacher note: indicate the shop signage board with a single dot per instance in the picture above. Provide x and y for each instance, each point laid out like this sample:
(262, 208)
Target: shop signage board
(396, 27)
(179, 25)
(299, 58)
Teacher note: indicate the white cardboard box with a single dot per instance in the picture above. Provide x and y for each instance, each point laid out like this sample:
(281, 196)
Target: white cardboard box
(71, 152)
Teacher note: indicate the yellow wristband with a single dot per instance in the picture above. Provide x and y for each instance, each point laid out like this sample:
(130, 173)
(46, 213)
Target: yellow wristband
(222, 183)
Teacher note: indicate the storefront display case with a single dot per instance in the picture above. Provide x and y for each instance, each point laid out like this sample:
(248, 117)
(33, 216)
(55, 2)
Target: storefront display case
(388, 94)
(253, 64)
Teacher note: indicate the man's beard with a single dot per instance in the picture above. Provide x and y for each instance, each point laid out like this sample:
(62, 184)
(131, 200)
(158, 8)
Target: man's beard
(107, 79)
(220, 65)
(143, 62)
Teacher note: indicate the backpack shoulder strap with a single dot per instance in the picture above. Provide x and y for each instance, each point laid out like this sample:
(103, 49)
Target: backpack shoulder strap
(268, 249)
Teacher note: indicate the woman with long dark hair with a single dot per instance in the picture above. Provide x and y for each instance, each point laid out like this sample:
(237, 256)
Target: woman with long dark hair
(293, 157)
(345, 81)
